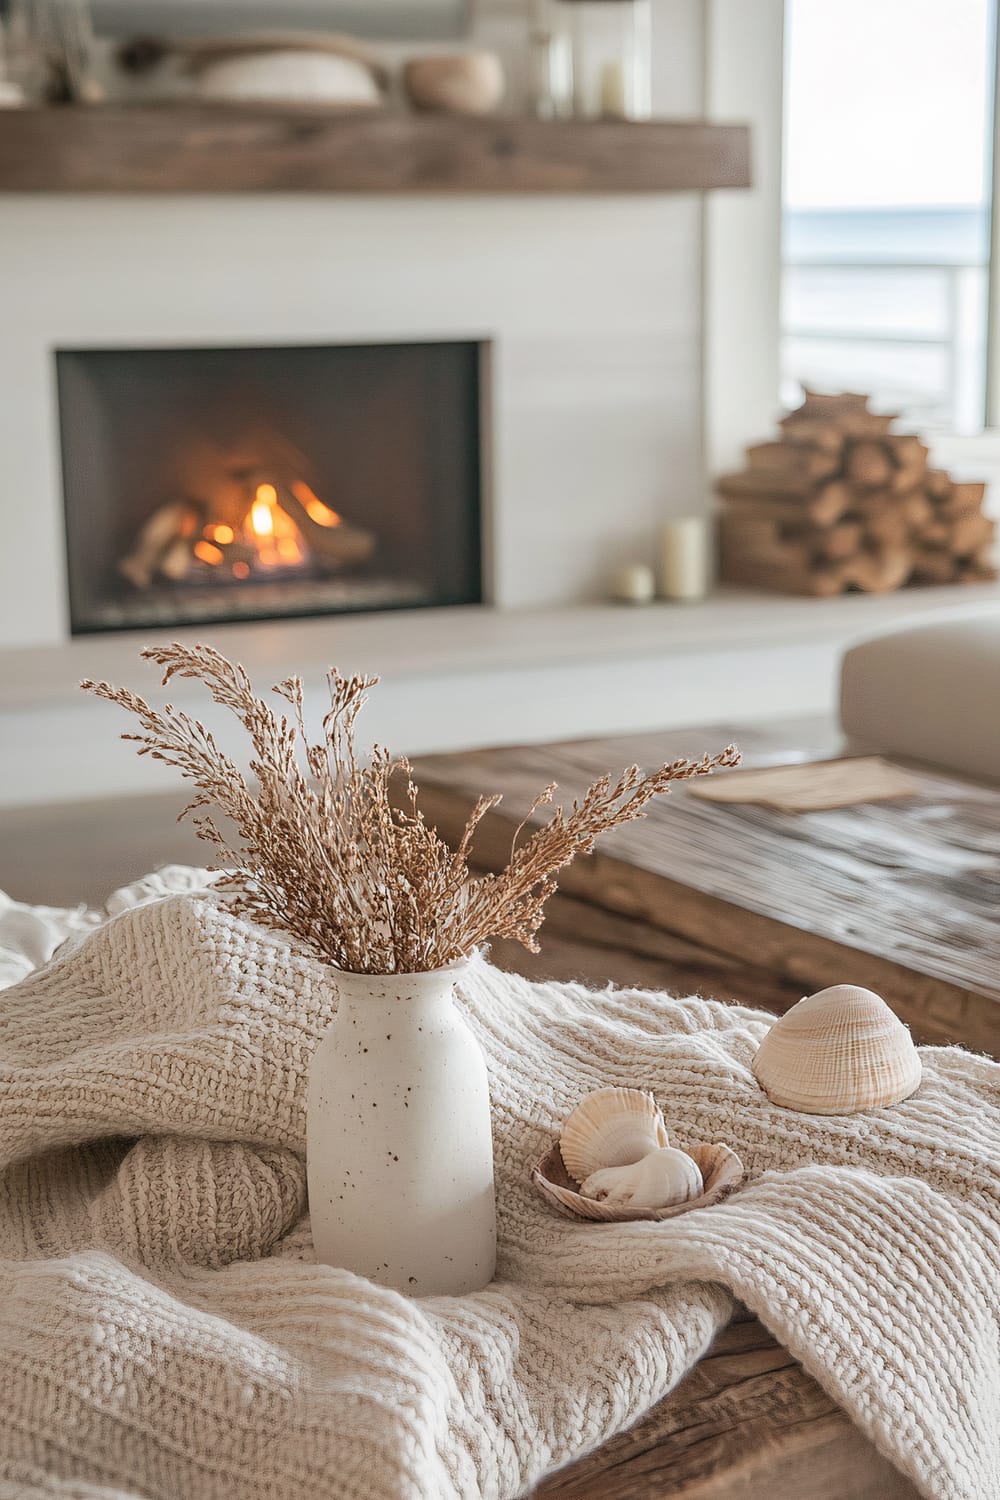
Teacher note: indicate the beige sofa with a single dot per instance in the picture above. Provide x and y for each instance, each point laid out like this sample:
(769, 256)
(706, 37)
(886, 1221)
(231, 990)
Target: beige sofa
(930, 693)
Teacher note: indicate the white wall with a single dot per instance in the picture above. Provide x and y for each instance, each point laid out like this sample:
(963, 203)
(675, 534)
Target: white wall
(743, 81)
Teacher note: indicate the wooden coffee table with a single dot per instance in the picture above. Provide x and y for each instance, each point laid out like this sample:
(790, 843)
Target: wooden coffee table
(760, 907)
(749, 904)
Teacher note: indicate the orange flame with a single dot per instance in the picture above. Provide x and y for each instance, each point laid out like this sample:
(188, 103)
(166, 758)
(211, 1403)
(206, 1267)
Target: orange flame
(313, 505)
(272, 532)
(262, 510)
(207, 553)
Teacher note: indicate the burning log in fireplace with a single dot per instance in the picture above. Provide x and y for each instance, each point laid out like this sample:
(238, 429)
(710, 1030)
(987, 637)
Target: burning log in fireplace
(281, 528)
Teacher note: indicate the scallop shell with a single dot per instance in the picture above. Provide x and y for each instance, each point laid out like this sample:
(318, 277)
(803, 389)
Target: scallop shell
(611, 1128)
(838, 1052)
(720, 1168)
(660, 1180)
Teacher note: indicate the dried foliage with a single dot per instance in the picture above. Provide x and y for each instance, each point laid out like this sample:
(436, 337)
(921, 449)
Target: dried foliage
(332, 845)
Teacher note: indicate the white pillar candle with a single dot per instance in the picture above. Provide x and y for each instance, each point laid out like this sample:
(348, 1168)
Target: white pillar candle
(687, 562)
(634, 584)
(614, 104)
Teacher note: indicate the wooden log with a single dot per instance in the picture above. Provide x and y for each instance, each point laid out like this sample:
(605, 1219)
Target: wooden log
(158, 538)
(938, 484)
(881, 571)
(177, 561)
(842, 540)
(790, 542)
(831, 501)
(821, 581)
(801, 460)
(884, 517)
(869, 424)
(907, 477)
(868, 465)
(829, 406)
(908, 450)
(935, 534)
(962, 497)
(935, 565)
(909, 455)
(918, 508)
(979, 568)
(790, 499)
(817, 434)
(832, 432)
(756, 485)
(340, 546)
(968, 532)
(753, 540)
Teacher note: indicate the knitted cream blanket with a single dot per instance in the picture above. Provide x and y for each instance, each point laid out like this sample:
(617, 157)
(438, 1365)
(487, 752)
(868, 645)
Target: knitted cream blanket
(165, 1333)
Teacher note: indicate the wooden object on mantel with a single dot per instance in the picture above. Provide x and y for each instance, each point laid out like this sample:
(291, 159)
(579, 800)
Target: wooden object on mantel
(755, 905)
(251, 148)
(840, 501)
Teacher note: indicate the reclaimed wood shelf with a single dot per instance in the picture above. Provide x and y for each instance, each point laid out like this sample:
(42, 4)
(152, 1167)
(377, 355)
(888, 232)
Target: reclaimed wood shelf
(216, 148)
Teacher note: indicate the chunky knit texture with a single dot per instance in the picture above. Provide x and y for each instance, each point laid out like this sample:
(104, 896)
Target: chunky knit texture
(164, 1331)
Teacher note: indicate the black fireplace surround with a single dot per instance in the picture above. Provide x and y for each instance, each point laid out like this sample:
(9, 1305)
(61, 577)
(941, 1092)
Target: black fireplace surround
(206, 485)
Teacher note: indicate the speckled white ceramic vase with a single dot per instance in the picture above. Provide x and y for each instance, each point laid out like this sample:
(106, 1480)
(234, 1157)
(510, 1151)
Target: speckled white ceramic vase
(399, 1145)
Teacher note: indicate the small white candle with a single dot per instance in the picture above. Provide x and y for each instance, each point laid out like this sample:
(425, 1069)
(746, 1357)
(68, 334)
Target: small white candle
(613, 101)
(687, 561)
(634, 584)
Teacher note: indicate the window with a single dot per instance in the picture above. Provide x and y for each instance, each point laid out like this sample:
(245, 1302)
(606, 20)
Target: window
(888, 127)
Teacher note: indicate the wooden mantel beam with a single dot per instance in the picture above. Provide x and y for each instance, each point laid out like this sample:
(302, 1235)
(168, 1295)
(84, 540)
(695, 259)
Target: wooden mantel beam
(212, 148)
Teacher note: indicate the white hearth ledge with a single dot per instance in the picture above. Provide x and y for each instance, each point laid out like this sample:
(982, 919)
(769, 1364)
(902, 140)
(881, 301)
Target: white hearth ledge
(456, 678)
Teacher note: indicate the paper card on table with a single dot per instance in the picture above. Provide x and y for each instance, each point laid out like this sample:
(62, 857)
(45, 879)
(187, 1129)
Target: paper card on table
(812, 787)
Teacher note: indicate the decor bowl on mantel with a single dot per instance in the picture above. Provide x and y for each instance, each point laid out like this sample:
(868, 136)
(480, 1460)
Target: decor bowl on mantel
(464, 83)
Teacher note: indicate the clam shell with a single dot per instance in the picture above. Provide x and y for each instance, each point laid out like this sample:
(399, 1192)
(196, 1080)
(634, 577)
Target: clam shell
(611, 1128)
(720, 1168)
(838, 1052)
(660, 1180)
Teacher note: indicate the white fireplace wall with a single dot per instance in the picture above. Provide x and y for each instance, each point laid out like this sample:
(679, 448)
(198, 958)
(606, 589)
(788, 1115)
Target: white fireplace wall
(592, 308)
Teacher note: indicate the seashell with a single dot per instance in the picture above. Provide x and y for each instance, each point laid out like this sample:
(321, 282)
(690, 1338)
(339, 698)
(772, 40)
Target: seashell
(464, 83)
(659, 1180)
(721, 1171)
(838, 1052)
(611, 1128)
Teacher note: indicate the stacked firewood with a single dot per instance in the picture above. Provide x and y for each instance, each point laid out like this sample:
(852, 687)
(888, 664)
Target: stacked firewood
(840, 501)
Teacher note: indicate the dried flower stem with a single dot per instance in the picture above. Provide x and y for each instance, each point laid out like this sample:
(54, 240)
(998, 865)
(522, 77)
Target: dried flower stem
(333, 846)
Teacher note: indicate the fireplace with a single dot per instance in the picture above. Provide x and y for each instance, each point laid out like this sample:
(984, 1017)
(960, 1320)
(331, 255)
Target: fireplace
(206, 485)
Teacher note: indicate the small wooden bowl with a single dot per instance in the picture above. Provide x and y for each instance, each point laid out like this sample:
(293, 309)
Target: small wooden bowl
(461, 83)
(721, 1170)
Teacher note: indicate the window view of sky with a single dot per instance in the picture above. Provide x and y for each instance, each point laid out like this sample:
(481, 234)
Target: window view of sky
(886, 102)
